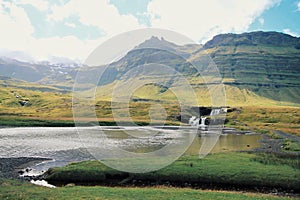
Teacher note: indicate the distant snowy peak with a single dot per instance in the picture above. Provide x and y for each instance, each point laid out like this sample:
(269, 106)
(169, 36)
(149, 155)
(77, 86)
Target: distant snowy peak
(8, 56)
(62, 61)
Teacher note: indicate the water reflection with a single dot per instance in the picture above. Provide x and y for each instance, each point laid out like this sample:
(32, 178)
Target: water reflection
(227, 143)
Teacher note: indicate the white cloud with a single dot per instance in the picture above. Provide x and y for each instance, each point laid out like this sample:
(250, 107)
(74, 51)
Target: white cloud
(39, 4)
(18, 36)
(17, 29)
(18, 32)
(261, 21)
(298, 5)
(197, 19)
(96, 13)
(72, 25)
(200, 20)
(68, 46)
(288, 31)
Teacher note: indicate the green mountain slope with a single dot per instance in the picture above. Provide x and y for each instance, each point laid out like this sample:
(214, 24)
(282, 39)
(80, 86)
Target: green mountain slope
(257, 68)
(266, 63)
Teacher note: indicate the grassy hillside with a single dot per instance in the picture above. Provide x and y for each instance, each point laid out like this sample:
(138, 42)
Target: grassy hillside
(23, 99)
(235, 95)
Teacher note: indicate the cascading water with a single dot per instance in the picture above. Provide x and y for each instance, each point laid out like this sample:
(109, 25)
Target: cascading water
(215, 111)
(191, 120)
(203, 121)
(195, 121)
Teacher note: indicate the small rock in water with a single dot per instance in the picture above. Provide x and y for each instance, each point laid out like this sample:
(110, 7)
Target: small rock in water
(27, 169)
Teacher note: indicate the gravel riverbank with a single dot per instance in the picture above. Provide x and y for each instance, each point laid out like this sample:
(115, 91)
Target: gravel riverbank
(272, 145)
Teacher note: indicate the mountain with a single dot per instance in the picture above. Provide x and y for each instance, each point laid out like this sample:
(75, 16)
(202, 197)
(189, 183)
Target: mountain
(261, 68)
(156, 43)
(266, 63)
(151, 51)
(59, 74)
(254, 39)
(162, 44)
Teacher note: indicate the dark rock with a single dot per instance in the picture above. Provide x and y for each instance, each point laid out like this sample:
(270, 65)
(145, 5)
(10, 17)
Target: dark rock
(183, 118)
(21, 172)
(22, 103)
(28, 170)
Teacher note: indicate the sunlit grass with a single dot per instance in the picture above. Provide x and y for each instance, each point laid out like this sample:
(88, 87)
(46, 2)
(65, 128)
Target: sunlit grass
(286, 119)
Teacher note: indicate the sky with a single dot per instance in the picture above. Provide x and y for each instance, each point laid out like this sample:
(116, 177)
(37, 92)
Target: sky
(72, 29)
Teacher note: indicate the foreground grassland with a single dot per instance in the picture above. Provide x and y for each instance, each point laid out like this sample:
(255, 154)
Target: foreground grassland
(16, 190)
(240, 170)
(243, 170)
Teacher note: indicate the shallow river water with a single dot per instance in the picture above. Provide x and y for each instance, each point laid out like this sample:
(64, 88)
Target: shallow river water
(65, 145)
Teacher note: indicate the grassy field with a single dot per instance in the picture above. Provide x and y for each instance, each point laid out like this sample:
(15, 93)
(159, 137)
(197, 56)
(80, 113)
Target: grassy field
(15, 190)
(266, 119)
(239, 170)
(49, 105)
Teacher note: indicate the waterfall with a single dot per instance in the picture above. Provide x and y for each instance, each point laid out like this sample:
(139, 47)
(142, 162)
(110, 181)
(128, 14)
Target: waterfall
(202, 121)
(191, 120)
(215, 111)
(194, 121)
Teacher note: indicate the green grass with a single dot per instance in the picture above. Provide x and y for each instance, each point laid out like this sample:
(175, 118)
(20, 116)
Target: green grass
(245, 170)
(278, 159)
(290, 145)
(35, 122)
(16, 190)
(27, 122)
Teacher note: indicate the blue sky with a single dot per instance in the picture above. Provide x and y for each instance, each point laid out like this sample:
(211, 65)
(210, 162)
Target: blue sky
(60, 28)
(284, 17)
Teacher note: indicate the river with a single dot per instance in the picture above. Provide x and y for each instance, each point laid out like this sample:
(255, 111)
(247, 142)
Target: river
(65, 145)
